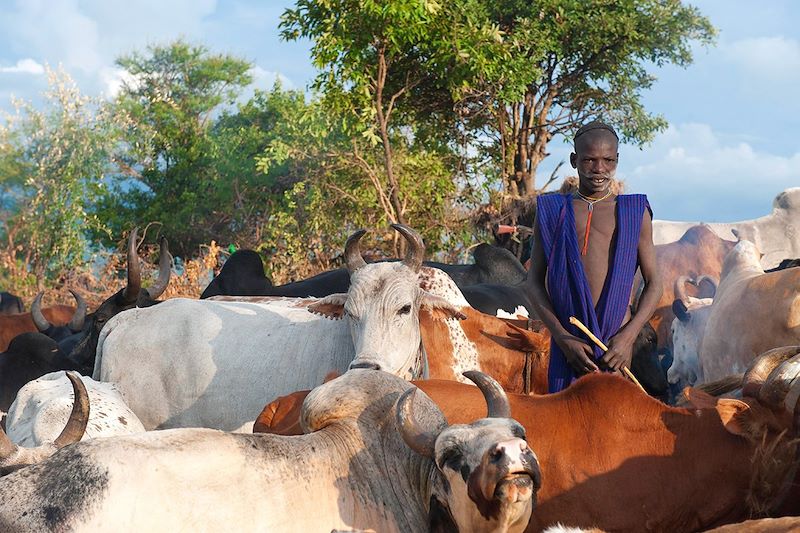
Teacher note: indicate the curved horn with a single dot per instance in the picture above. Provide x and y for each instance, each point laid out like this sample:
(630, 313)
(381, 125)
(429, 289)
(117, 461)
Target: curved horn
(131, 291)
(164, 270)
(416, 248)
(79, 417)
(41, 323)
(422, 441)
(352, 252)
(711, 280)
(778, 383)
(496, 399)
(680, 288)
(762, 366)
(79, 316)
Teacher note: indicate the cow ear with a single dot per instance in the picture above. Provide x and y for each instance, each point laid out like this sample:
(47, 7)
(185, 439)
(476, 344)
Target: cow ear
(439, 308)
(330, 307)
(733, 413)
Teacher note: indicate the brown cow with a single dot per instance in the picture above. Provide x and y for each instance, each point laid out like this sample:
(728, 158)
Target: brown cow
(616, 459)
(700, 251)
(13, 325)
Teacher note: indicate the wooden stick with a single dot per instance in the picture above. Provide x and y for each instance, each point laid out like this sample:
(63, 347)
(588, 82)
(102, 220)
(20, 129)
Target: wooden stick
(574, 321)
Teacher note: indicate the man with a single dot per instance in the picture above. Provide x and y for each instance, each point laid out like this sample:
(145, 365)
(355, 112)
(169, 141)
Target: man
(586, 248)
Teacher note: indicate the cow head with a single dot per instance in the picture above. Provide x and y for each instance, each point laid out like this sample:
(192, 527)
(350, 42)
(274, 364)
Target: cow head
(13, 457)
(688, 326)
(59, 333)
(744, 257)
(489, 475)
(768, 416)
(132, 295)
(382, 307)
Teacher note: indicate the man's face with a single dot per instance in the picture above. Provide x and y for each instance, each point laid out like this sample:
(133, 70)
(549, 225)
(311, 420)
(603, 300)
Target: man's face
(595, 159)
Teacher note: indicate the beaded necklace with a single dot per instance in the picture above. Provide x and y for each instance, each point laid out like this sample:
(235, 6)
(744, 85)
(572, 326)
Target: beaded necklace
(590, 201)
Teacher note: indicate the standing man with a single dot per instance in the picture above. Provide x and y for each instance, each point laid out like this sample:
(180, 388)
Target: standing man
(586, 248)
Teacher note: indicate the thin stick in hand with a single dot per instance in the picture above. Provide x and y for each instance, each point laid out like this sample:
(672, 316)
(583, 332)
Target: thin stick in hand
(574, 321)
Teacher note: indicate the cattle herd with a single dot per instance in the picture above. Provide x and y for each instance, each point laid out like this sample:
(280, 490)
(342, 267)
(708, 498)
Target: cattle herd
(408, 395)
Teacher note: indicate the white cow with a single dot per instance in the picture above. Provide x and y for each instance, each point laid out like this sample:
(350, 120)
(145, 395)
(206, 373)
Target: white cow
(777, 235)
(206, 363)
(752, 313)
(43, 406)
(14, 456)
(687, 328)
(378, 458)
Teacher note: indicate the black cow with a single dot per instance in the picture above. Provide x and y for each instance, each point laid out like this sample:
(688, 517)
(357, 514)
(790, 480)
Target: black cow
(29, 356)
(81, 347)
(59, 333)
(786, 263)
(10, 304)
(243, 275)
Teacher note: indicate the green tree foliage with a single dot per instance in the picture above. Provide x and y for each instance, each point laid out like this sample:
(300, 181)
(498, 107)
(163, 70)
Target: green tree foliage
(52, 162)
(367, 53)
(169, 172)
(524, 72)
(324, 183)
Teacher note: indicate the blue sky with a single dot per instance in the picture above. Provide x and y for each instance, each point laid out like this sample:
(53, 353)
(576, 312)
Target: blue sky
(734, 114)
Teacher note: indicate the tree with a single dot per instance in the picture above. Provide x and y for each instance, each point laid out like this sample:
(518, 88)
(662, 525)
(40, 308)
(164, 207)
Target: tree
(168, 173)
(524, 72)
(323, 184)
(54, 161)
(366, 51)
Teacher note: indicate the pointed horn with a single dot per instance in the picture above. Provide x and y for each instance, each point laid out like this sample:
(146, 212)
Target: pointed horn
(79, 316)
(422, 441)
(761, 368)
(79, 418)
(164, 270)
(131, 291)
(710, 280)
(352, 252)
(496, 399)
(41, 323)
(416, 248)
(680, 288)
(775, 390)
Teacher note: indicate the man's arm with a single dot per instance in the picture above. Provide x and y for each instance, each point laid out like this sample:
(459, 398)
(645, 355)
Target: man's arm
(620, 346)
(577, 351)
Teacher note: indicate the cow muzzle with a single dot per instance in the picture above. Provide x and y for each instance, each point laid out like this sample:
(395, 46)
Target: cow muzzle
(508, 474)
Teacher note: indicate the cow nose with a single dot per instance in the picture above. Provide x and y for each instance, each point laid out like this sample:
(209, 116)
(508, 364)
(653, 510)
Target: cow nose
(513, 450)
(368, 366)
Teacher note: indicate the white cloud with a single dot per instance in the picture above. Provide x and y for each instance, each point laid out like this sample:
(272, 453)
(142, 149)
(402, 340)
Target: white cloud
(265, 79)
(113, 78)
(771, 59)
(24, 66)
(692, 172)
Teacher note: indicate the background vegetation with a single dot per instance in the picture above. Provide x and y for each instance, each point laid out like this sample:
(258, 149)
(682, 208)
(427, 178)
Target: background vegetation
(435, 114)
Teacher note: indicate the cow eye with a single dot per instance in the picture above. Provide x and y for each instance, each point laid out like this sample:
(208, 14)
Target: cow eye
(404, 310)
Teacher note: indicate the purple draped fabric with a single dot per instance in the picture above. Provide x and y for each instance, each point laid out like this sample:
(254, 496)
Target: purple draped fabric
(566, 280)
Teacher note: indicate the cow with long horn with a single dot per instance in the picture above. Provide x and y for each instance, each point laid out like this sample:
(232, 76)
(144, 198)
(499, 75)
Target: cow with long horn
(58, 333)
(84, 345)
(362, 474)
(740, 456)
(14, 457)
(221, 343)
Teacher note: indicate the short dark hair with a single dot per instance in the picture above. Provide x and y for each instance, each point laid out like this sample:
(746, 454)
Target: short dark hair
(594, 125)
